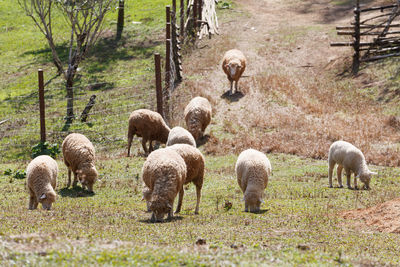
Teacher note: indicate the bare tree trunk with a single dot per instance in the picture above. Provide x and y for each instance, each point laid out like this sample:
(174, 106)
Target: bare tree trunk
(70, 97)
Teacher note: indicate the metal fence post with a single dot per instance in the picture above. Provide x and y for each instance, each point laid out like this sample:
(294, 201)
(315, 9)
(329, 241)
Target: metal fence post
(356, 46)
(120, 24)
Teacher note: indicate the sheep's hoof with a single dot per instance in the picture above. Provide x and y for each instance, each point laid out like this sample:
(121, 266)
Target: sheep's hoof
(355, 188)
(196, 212)
(330, 186)
(177, 211)
(341, 186)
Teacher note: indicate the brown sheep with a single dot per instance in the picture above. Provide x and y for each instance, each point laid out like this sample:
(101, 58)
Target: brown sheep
(234, 64)
(198, 116)
(79, 156)
(194, 161)
(150, 126)
(41, 176)
(163, 173)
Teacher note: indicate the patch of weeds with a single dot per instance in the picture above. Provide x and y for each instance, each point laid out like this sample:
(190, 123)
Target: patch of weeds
(44, 148)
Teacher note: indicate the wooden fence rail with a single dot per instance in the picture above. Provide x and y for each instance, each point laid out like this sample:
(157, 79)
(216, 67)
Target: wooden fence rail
(375, 37)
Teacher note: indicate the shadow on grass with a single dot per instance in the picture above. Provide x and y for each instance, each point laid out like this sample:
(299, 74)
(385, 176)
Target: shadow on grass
(75, 192)
(174, 219)
(261, 211)
(234, 97)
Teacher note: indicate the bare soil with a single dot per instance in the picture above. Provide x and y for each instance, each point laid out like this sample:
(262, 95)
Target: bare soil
(384, 217)
(296, 96)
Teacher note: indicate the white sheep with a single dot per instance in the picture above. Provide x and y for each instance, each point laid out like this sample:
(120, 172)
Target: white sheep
(234, 64)
(198, 116)
(41, 176)
(80, 158)
(179, 135)
(350, 158)
(164, 173)
(253, 170)
(150, 126)
(194, 161)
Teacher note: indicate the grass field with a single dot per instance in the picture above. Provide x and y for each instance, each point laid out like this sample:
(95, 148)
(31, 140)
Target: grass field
(300, 222)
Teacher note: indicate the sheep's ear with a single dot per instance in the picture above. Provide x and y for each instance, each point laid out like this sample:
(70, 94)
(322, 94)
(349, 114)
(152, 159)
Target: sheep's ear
(43, 196)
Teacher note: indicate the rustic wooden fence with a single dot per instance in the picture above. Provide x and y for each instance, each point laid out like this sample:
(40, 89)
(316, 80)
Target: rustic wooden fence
(375, 33)
(196, 18)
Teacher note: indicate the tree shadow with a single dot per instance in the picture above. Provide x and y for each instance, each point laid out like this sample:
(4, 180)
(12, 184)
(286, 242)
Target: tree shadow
(174, 219)
(261, 211)
(75, 192)
(234, 97)
(44, 55)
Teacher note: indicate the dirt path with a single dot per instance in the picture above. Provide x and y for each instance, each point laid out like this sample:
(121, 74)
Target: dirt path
(292, 101)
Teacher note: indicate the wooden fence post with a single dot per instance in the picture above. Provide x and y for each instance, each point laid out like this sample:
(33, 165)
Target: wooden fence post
(120, 24)
(195, 16)
(200, 3)
(157, 62)
(41, 107)
(356, 46)
(182, 21)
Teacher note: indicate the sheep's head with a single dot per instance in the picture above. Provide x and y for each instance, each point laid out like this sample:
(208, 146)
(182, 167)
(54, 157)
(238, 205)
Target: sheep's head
(159, 209)
(234, 66)
(366, 178)
(87, 177)
(252, 201)
(47, 200)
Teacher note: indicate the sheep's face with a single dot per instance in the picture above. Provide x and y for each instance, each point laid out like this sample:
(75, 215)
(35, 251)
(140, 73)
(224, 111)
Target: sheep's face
(366, 178)
(234, 67)
(87, 177)
(159, 210)
(47, 200)
(252, 203)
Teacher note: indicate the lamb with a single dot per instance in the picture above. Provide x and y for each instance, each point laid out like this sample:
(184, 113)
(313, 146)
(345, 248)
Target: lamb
(41, 176)
(234, 64)
(179, 135)
(197, 116)
(79, 157)
(253, 170)
(150, 126)
(164, 173)
(350, 158)
(194, 161)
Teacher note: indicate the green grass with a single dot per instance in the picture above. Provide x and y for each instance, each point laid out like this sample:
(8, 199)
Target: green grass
(298, 225)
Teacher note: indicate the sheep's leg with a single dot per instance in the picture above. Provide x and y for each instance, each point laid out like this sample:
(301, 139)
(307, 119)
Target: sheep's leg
(144, 141)
(230, 91)
(32, 200)
(75, 182)
(355, 182)
(236, 86)
(69, 178)
(153, 218)
(339, 175)
(246, 208)
(198, 195)
(331, 166)
(171, 212)
(348, 174)
(129, 145)
(151, 146)
(181, 193)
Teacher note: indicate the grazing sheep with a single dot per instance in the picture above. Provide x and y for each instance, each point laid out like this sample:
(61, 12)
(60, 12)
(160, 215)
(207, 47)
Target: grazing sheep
(149, 125)
(350, 158)
(198, 116)
(194, 161)
(41, 176)
(179, 135)
(234, 64)
(79, 157)
(253, 170)
(163, 172)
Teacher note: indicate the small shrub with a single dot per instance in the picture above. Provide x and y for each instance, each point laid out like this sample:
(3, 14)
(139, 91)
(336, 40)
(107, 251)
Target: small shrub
(8, 172)
(20, 174)
(44, 148)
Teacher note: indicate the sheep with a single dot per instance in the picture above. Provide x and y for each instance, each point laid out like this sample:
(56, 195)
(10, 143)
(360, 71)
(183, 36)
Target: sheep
(179, 135)
(253, 170)
(150, 126)
(164, 173)
(194, 161)
(350, 158)
(234, 64)
(79, 157)
(197, 116)
(41, 176)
